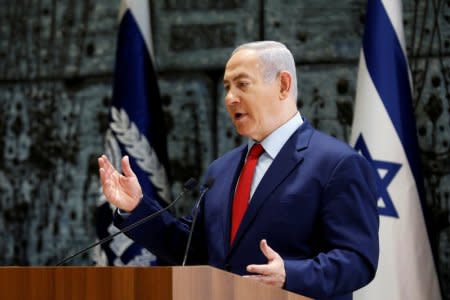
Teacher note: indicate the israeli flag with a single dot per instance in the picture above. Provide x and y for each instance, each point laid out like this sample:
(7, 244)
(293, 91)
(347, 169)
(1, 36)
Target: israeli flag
(384, 132)
(136, 128)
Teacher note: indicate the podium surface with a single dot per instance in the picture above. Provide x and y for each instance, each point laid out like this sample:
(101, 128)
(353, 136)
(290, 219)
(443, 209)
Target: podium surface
(165, 283)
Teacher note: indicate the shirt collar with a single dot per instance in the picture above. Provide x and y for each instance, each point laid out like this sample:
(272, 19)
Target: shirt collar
(273, 143)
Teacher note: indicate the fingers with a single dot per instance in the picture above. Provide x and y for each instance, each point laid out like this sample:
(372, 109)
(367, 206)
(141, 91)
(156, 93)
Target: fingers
(101, 169)
(267, 251)
(101, 172)
(126, 167)
(273, 272)
(103, 162)
(259, 269)
(106, 171)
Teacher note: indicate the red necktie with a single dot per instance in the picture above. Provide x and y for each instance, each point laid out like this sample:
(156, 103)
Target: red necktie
(242, 194)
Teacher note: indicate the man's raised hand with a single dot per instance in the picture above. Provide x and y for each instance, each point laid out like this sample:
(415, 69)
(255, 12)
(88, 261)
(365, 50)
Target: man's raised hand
(122, 191)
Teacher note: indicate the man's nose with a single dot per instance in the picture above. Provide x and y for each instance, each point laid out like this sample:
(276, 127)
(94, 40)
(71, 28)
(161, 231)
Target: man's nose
(231, 98)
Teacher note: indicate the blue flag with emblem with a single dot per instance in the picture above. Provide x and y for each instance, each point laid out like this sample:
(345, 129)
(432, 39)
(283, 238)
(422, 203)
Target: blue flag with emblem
(135, 128)
(384, 132)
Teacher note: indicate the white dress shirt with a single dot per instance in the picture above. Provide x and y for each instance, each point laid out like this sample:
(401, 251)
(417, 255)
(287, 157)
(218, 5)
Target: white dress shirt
(272, 145)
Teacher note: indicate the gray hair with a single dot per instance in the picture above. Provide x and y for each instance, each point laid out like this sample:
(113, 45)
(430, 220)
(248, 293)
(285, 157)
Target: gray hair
(275, 57)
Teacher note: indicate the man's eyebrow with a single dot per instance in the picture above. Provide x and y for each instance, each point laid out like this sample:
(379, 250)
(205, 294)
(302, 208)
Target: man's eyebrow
(237, 77)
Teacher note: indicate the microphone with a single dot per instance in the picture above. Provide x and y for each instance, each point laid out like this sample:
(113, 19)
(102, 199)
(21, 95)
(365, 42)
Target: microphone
(187, 187)
(209, 183)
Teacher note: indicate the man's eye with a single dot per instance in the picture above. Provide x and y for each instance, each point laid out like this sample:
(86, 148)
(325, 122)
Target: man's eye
(242, 84)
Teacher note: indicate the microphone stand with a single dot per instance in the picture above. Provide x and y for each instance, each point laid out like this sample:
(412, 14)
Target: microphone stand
(206, 186)
(188, 186)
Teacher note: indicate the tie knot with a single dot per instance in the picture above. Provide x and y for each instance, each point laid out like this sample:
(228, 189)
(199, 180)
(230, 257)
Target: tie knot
(256, 151)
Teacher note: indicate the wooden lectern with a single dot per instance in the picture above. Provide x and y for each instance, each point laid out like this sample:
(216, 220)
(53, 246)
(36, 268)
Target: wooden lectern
(140, 283)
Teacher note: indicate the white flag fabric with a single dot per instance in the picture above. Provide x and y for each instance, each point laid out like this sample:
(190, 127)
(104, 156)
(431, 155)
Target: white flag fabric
(384, 132)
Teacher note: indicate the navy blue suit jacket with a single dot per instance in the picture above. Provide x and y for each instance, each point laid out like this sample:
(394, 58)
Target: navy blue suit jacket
(316, 206)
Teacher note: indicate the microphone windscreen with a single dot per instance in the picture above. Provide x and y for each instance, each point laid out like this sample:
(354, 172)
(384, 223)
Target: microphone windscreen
(190, 184)
(209, 183)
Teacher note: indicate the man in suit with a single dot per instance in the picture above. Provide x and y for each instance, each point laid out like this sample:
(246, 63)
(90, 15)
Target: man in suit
(293, 208)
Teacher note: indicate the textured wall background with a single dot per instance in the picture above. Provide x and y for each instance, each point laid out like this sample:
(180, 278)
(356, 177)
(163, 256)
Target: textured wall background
(56, 64)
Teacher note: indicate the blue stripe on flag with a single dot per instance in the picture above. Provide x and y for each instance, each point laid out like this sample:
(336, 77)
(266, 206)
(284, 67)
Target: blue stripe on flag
(388, 69)
(136, 90)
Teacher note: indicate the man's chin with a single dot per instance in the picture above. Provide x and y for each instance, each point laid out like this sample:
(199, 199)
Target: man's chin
(240, 129)
(244, 129)
(244, 132)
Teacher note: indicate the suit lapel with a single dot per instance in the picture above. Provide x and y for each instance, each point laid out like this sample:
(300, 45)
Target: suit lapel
(287, 160)
(234, 166)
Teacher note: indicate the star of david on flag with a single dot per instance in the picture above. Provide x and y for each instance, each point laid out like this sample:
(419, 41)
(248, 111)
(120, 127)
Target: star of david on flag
(386, 172)
(384, 132)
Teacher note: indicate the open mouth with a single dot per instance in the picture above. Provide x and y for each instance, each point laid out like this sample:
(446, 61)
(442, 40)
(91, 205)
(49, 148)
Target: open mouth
(238, 116)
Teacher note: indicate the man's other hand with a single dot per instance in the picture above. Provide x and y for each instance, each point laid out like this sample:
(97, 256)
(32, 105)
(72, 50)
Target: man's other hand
(272, 273)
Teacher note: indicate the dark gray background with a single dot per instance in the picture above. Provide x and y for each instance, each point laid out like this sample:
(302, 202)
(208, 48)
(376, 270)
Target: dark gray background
(56, 67)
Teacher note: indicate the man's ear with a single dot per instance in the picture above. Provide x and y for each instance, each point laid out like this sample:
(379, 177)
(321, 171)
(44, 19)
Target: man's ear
(285, 84)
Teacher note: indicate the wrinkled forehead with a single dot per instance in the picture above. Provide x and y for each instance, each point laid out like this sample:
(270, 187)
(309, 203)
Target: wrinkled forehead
(244, 61)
